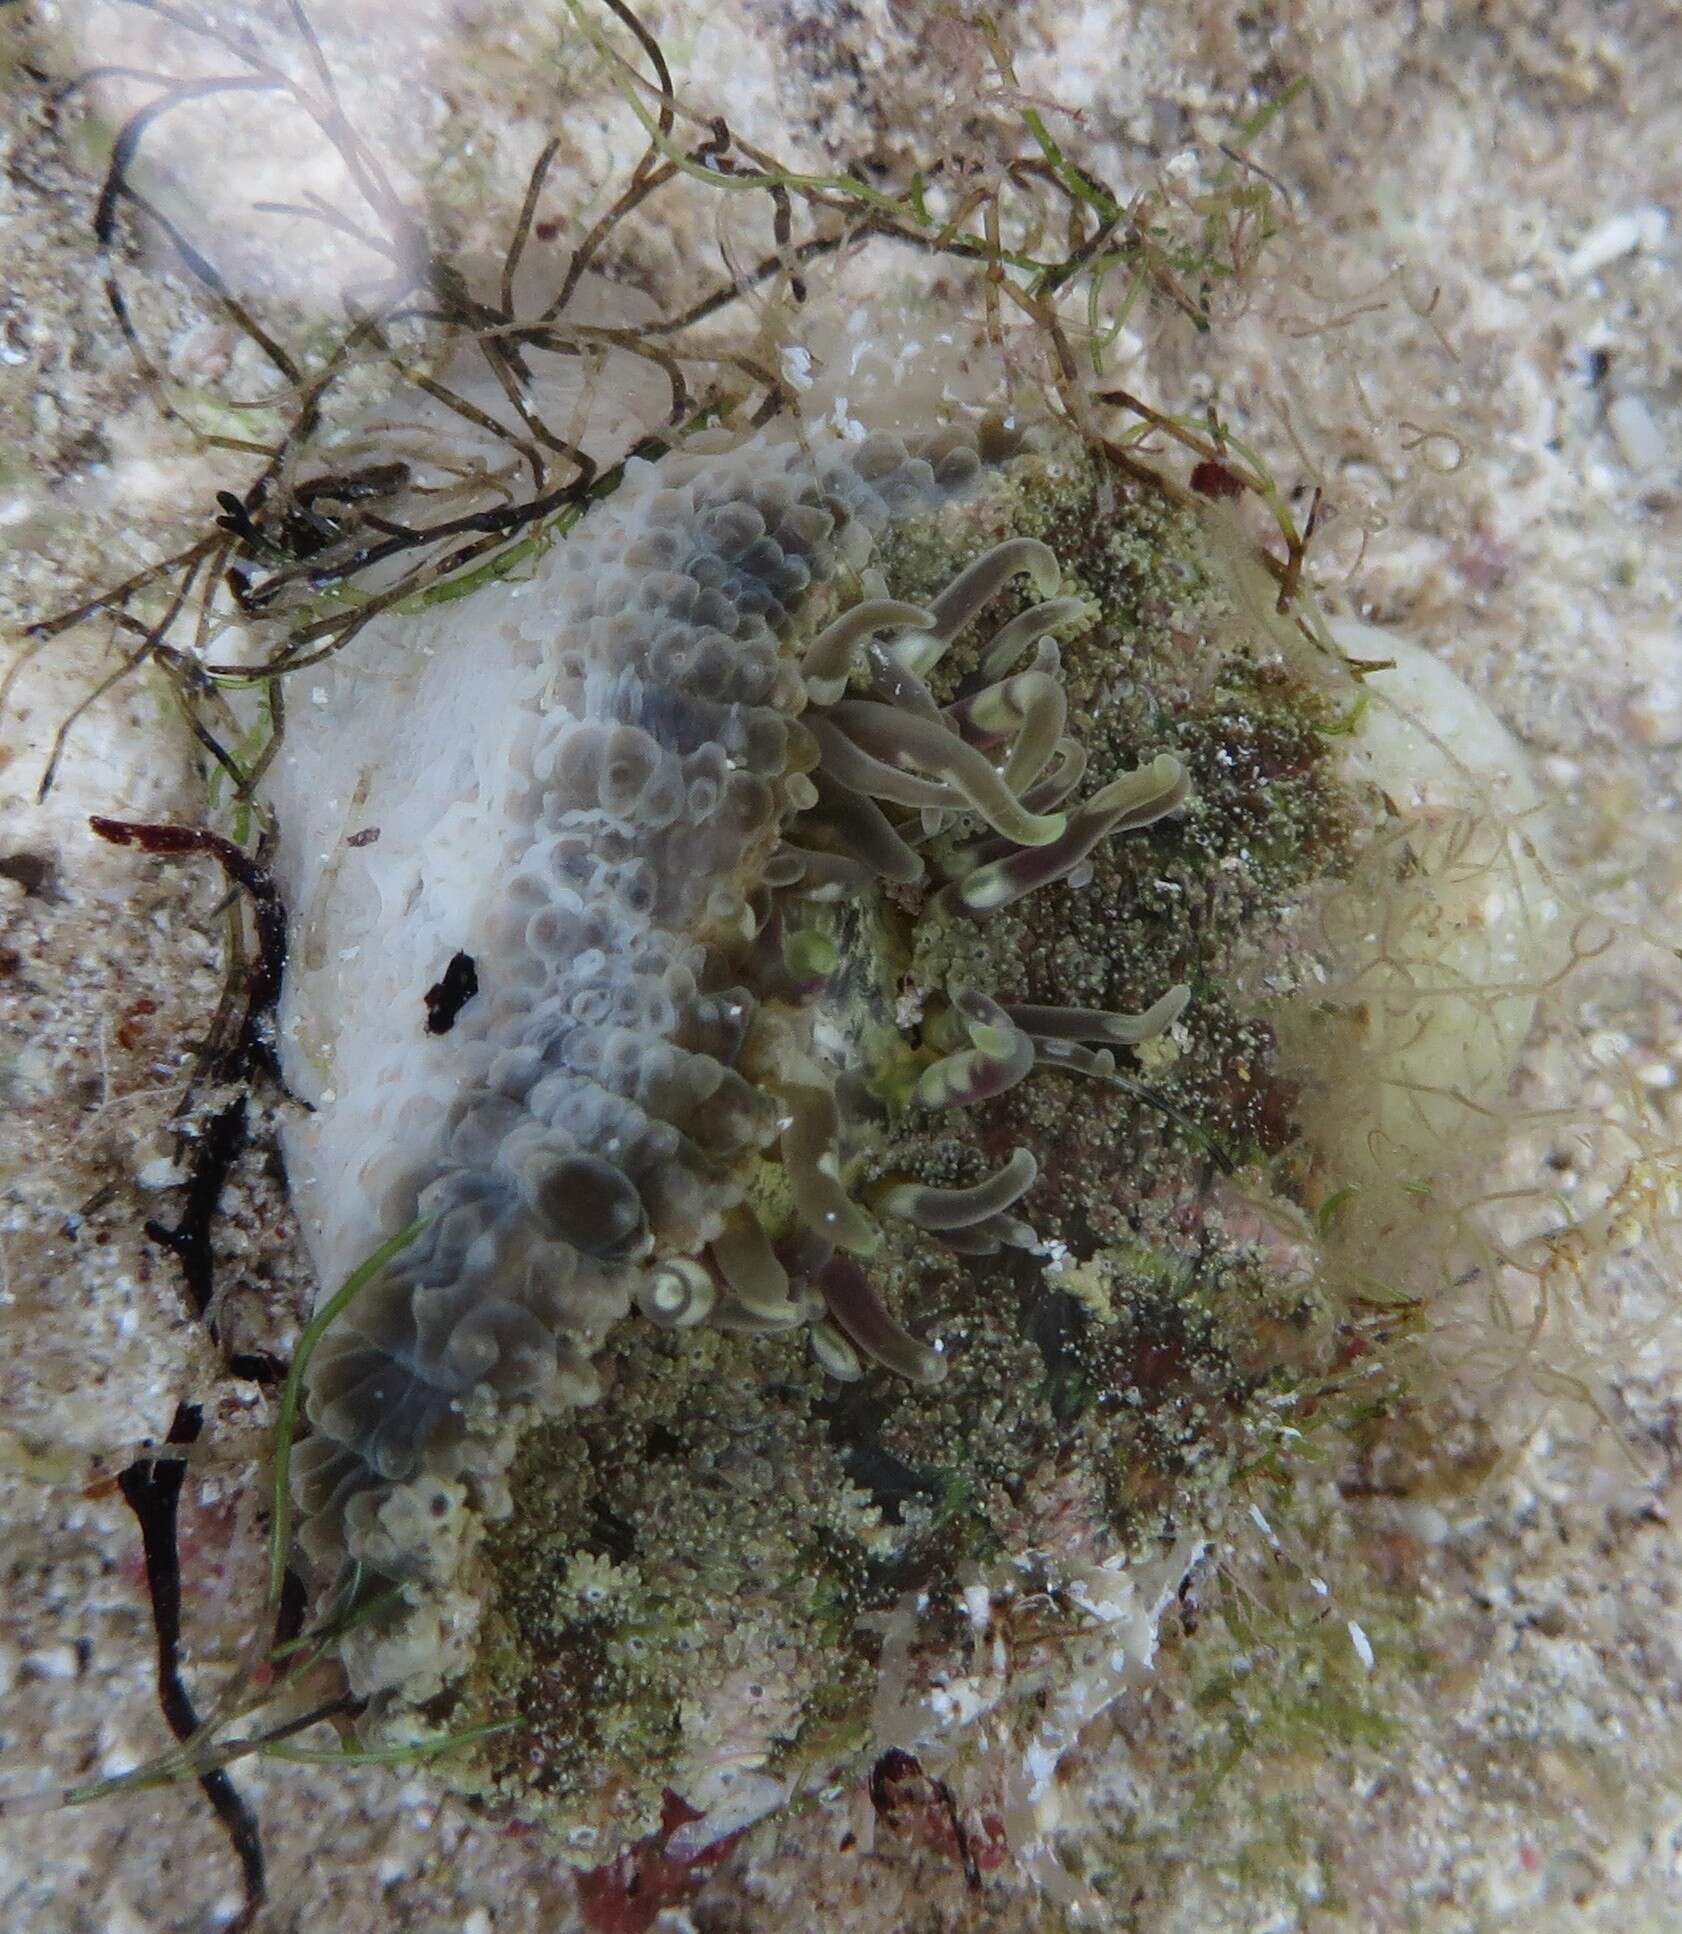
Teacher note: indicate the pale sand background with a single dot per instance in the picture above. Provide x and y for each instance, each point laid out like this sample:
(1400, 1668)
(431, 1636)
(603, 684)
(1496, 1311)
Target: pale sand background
(1513, 169)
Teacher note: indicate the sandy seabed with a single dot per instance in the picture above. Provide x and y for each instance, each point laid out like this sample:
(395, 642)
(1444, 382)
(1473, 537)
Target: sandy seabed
(1472, 342)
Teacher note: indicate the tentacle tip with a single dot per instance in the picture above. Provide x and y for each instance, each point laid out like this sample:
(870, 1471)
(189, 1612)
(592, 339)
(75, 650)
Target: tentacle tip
(855, 1235)
(933, 1367)
(1171, 775)
(1043, 829)
(835, 1356)
(1045, 570)
(984, 890)
(677, 1295)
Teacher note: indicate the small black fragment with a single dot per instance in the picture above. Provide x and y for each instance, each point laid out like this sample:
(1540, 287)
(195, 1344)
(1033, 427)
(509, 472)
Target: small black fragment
(445, 1001)
(612, 1536)
(34, 872)
(289, 1617)
(891, 1482)
(257, 1366)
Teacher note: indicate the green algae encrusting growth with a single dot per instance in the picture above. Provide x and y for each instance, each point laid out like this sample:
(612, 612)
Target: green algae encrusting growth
(693, 1585)
(690, 1542)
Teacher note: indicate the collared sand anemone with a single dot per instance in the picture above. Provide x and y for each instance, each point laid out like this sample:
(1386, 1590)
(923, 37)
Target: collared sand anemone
(887, 864)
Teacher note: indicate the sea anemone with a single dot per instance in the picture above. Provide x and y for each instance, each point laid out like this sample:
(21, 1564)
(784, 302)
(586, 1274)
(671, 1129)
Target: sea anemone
(883, 861)
(724, 759)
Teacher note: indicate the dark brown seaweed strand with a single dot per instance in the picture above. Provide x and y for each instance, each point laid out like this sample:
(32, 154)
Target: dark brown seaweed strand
(151, 1488)
(262, 987)
(221, 1143)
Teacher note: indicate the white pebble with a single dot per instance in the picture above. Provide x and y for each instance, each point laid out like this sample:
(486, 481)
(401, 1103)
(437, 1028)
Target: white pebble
(1619, 235)
(1638, 437)
(53, 1662)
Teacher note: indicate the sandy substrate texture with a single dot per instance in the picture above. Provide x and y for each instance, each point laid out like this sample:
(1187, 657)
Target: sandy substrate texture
(1472, 343)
